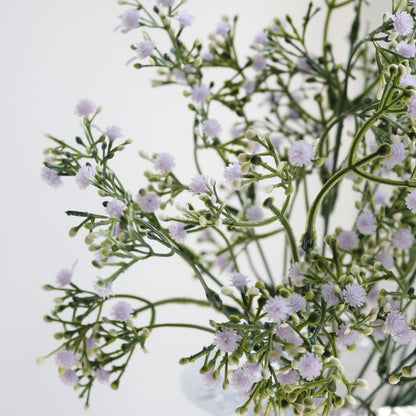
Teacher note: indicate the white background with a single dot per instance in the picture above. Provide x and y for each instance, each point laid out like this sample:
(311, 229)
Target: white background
(52, 54)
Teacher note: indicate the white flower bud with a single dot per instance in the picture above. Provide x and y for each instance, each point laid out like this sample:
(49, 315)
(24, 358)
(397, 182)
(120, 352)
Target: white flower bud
(227, 291)
(350, 399)
(250, 134)
(41, 360)
(355, 269)
(253, 291)
(198, 61)
(202, 221)
(362, 383)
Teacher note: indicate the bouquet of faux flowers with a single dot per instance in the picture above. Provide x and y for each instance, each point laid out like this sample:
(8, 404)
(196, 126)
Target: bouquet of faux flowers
(286, 319)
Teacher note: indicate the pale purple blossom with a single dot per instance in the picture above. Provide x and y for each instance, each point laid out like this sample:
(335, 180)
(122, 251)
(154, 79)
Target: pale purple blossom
(411, 201)
(102, 376)
(90, 344)
(301, 153)
(164, 162)
(198, 184)
(232, 172)
(261, 38)
(254, 371)
(64, 277)
(372, 297)
(296, 303)
(200, 93)
(380, 198)
(385, 258)
(354, 294)
(277, 309)
(84, 175)
(236, 132)
(347, 240)
(130, 19)
(396, 326)
(113, 132)
(69, 377)
(65, 358)
(222, 29)
(397, 156)
(145, 49)
(407, 50)
(209, 381)
(278, 348)
(402, 23)
(254, 213)
(226, 340)
(241, 381)
(122, 311)
(177, 231)
(303, 64)
(378, 330)
(249, 86)
(366, 224)
(408, 79)
(115, 208)
(239, 280)
(149, 202)
(51, 177)
(259, 62)
(411, 106)
(403, 239)
(184, 19)
(330, 298)
(84, 107)
(103, 288)
(289, 378)
(346, 336)
(208, 56)
(166, 3)
(288, 334)
(310, 366)
(295, 271)
(276, 141)
(211, 128)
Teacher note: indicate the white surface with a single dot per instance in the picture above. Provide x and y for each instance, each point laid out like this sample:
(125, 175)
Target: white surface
(53, 53)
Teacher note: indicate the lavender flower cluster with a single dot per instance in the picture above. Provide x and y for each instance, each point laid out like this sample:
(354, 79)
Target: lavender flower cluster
(282, 340)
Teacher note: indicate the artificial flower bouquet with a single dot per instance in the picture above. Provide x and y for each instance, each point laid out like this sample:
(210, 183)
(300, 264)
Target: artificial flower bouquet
(299, 132)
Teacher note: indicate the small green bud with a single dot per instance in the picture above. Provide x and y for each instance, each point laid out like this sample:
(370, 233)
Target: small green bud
(260, 285)
(352, 347)
(258, 409)
(309, 296)
(406, 371)
(394, 379)
(114, 385)
(73, 232)
(234, 318)
(48, 287)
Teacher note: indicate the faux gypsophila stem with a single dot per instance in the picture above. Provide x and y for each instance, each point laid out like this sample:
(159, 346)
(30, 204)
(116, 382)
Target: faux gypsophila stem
(309, 238)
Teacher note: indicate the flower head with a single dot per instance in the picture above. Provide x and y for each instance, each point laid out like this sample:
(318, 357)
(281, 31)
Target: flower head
(239, 280)
(198, 185)
(166, 3)
(177, 231)
(346, 336)
(347, 240)
(84, 107)
(411, 201)
(113, 132)
(115, 208)
(164, 162)
(385, 258)
(211, 128)
(222, 29)
(130, 19)
(296, 303)
(397, 156)
(149, 202)
(402, 23)
(259, 62)
(407, 50)
(254, 371)
(103, 288)
(289, 378)
(241, 381)
(254, 213)
(69, 377)
(288, 334)
(209, 380)
(102, 376)
(354, 294)
(403, 238)
(64, 276)
(310, 366)
(200, 93)
(408, 79)
(226, 340)
(328, 293)
(277, 309)
(82, 178)
(411, 106)
(301, 153)
(261, 38)
(51, 177)
(396, 326)
(122, 311)
(145, 48)
(366, 223)
(184, 19)
(65, 358)
(232, 172)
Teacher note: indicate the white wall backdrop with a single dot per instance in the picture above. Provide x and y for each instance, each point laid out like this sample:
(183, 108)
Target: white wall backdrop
(54, 53)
